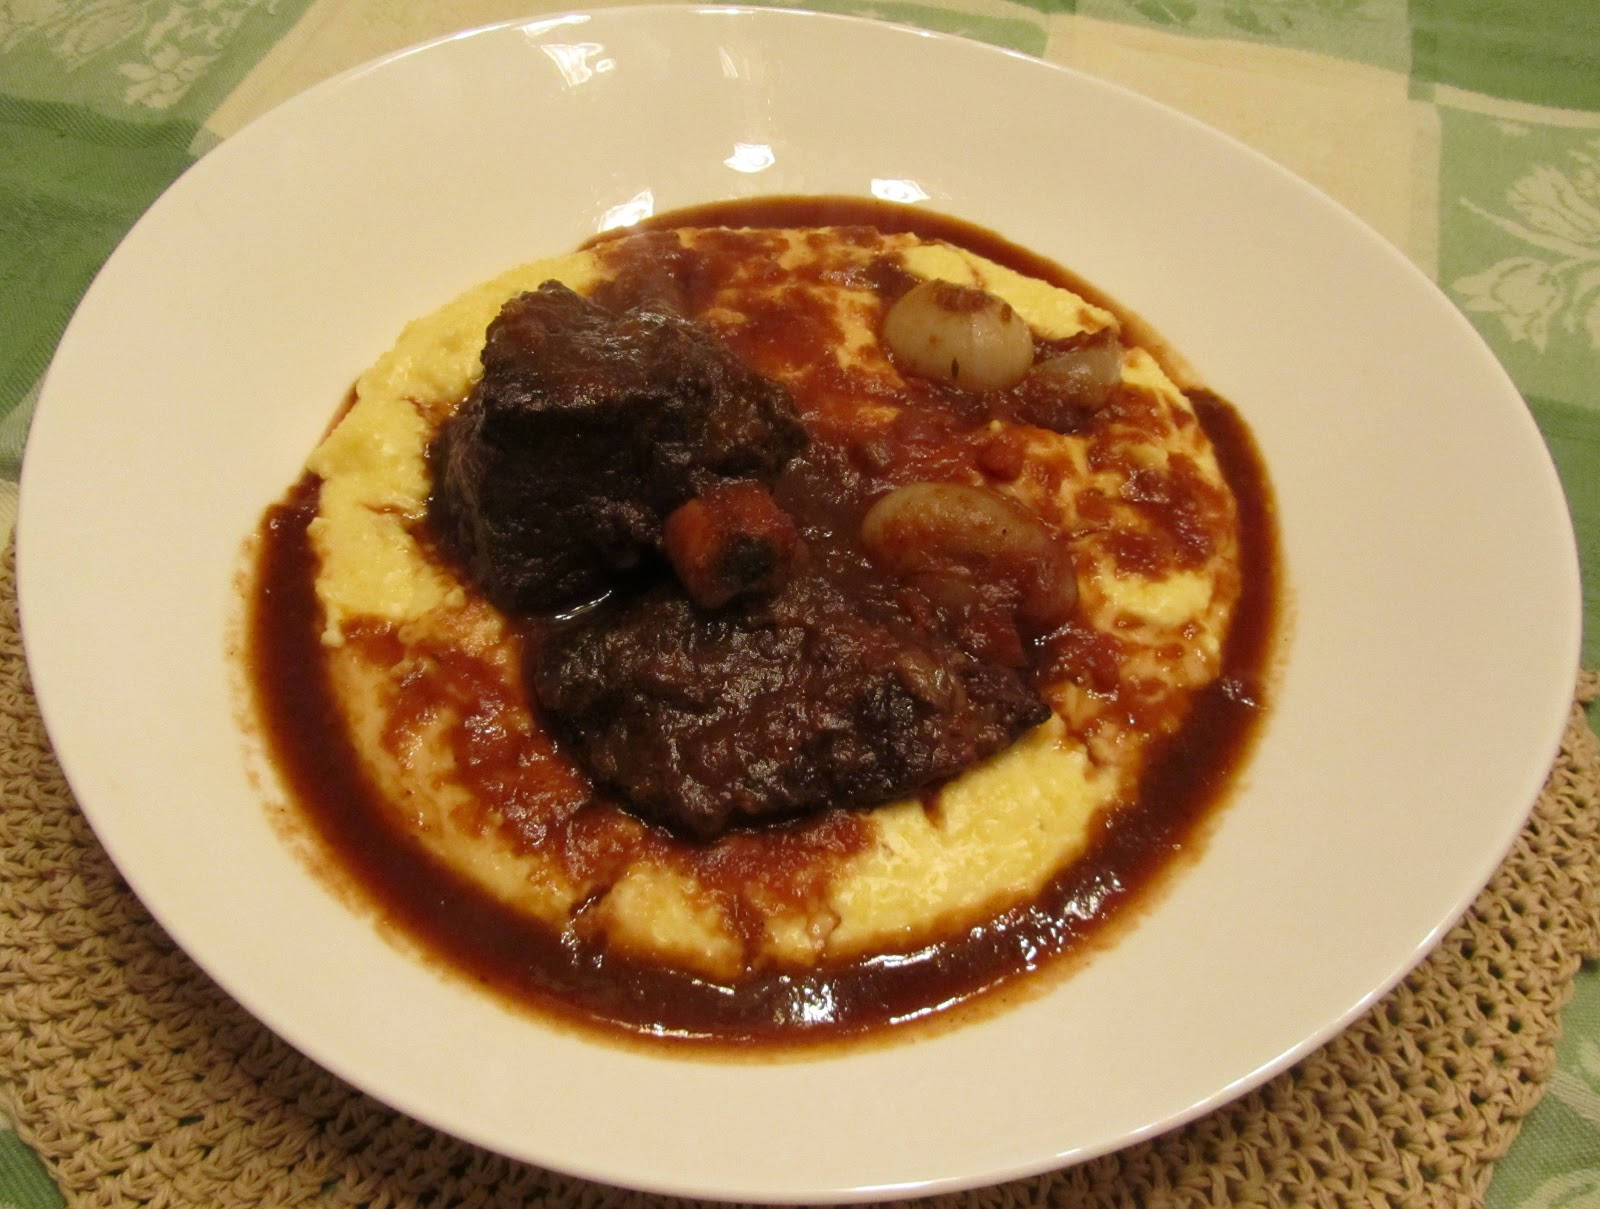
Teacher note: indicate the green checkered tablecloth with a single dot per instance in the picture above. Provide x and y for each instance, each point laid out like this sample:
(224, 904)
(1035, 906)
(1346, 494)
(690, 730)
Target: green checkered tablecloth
(1465, 131)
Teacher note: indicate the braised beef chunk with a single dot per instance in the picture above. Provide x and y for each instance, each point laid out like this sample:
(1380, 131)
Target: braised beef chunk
(585, 431)
(737, 673)
(705, 719)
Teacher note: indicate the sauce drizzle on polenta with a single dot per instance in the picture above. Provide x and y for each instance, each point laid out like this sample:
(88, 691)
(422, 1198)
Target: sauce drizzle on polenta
(397, 709)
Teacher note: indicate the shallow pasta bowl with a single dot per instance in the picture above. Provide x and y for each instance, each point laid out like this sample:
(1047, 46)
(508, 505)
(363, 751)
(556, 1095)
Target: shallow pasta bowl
(1425, 666)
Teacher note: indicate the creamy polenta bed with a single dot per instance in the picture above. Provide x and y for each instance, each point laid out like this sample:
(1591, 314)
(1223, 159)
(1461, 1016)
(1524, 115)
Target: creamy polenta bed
(783, 620)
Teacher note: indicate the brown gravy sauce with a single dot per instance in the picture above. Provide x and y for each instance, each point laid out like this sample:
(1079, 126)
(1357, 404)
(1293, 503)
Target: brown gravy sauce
(580, 981)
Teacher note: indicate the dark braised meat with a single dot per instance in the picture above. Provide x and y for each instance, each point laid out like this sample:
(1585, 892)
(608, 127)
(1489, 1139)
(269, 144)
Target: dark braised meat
(585, 431)
(706, 719)
(750, 663)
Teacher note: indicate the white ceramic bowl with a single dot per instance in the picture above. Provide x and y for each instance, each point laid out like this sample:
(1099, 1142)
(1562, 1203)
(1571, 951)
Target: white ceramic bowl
(1432, 578)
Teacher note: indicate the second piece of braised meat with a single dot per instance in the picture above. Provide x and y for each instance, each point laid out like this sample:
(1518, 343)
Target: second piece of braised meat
(706, 719)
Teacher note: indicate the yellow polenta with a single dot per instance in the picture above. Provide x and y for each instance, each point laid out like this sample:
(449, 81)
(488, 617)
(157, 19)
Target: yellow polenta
(1000, 832)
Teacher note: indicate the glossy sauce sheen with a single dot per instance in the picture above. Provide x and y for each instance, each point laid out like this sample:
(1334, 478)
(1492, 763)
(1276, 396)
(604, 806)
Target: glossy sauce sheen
(579, 980)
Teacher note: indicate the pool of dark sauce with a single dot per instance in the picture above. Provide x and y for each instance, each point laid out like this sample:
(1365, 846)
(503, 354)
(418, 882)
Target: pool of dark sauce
(580, 982)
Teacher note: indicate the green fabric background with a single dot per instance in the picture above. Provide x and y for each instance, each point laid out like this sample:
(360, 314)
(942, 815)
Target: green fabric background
(99, 105)
(102, 104)
(1541, 52)
(71, 182)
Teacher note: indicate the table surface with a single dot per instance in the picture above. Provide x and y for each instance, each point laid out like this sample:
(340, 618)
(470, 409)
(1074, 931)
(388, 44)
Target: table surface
(1465, 131)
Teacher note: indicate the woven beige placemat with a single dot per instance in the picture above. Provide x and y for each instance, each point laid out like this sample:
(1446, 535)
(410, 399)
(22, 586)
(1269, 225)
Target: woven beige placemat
(138, 1082)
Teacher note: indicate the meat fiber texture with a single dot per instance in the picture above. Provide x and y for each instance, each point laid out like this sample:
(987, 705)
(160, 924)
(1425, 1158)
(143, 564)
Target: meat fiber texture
(584, 432)
(774, 708)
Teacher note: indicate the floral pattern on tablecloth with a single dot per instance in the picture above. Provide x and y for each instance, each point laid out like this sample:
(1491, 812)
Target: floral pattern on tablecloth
(129, 54)
(1554, 213)
(1520, 244)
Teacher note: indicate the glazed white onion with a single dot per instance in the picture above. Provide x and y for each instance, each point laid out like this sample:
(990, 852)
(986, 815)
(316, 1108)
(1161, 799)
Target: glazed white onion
(966, 534)
(959, 334)
(1084, 375)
